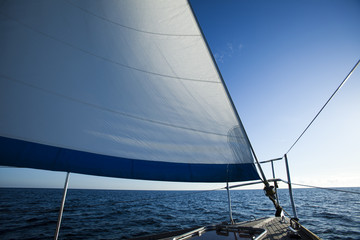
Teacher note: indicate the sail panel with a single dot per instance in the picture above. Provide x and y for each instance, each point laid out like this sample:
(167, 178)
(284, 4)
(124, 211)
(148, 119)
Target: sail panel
(116, 82)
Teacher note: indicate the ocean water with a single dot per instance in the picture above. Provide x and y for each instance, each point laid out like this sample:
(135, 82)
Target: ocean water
(111, 214)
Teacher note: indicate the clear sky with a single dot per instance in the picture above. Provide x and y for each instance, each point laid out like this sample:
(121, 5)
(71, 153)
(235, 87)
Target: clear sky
(281, 61)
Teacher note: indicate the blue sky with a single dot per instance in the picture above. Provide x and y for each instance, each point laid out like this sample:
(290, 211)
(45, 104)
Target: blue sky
(281, 60)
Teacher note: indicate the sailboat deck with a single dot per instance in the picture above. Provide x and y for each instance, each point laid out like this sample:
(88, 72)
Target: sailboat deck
(276, 228)
(272, 228)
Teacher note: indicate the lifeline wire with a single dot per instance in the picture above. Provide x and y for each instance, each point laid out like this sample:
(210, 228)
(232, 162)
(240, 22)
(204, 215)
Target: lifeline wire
(234, 186)
(342, 83)
(330, 189)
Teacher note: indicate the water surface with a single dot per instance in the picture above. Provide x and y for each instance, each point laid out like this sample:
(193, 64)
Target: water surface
(111, 214)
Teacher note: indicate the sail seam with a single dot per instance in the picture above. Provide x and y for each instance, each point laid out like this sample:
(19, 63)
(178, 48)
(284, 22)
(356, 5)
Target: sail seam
(111, 110)
(132, 28)
(107, 59)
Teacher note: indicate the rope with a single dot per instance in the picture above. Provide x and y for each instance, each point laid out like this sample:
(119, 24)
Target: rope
(342, 83)
(286, 213)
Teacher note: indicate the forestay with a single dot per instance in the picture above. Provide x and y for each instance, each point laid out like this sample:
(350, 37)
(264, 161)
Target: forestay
(115, 88)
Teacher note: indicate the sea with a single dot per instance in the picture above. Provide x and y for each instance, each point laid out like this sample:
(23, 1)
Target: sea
(117, 214)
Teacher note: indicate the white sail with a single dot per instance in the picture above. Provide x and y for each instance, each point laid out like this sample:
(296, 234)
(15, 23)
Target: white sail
(115, 88)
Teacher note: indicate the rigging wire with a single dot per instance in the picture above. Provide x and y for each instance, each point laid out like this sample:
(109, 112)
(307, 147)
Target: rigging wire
(342, 83)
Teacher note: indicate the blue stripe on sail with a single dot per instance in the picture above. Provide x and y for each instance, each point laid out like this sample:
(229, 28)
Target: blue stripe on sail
(20, 153)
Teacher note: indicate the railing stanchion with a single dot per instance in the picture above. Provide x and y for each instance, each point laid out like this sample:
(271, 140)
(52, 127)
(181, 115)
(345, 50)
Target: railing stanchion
(62, 207)
(290, 188)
